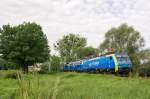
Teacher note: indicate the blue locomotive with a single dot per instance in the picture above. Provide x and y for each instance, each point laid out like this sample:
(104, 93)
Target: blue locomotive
(110, 62)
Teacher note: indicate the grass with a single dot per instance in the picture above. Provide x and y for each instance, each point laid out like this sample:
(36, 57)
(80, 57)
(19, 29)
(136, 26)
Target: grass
(74, 86)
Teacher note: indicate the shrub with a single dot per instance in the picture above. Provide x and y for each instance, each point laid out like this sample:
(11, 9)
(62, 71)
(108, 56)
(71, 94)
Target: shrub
(54, 64)
(44, 68)
(9, 74)
(144, 71)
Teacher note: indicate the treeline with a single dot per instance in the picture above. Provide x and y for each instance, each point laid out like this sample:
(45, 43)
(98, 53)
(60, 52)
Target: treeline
(26, 44)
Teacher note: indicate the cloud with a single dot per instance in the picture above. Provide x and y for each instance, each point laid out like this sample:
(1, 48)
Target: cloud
(89, 18)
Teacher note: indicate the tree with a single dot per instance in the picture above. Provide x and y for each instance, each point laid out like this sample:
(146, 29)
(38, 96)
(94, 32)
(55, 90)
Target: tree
(127, 38)
(145, 55)
(24, 44)
(68, 45)
(87, 51)
(55, 63)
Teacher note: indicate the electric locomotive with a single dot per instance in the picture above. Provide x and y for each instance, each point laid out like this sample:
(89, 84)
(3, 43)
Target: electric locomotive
(113, 62)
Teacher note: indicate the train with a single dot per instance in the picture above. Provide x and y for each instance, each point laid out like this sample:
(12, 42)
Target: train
(112, 62)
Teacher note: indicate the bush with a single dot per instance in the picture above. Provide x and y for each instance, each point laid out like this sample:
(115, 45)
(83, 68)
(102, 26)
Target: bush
(44, 68)
(55, 63)
(9, 74)
(54, 66)
(5, 65)
(144, 72)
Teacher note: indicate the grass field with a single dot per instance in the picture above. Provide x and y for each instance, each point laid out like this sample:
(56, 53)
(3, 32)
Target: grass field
(74, 86)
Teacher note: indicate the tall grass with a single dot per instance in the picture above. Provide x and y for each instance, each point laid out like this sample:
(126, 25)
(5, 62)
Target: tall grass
(32, 86)
(76, 86)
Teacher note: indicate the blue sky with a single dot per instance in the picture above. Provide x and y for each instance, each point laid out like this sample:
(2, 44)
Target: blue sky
(89, 18)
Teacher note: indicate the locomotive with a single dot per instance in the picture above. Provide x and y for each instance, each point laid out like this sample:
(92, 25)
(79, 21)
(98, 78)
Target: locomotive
(112, 62)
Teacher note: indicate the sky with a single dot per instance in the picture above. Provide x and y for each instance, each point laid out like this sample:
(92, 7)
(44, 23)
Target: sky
(89, 18)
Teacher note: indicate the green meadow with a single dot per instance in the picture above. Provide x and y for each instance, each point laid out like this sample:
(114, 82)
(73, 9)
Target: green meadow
(74, 86)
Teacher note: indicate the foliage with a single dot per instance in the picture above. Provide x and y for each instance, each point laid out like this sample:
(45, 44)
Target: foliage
(145, 55)
(127, 38)
(8, 74)
(11, 65)
(86, 52)
(24, 44)
(45, 67)
(5, 65)
(55, 63)
(68, 45)
(123, 37)
(74, 86)
(2, 64)
(144, 70)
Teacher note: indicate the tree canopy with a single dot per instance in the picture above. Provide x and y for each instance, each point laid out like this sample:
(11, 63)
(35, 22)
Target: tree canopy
(24, 44)
(123, 37)
(127, 38)
(68, 45)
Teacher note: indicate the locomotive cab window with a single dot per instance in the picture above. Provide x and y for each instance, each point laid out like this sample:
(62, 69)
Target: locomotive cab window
(122, 58)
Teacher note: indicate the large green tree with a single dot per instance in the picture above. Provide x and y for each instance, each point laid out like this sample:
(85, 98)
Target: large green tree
(127, 38)
(24, 44)
(68, 45)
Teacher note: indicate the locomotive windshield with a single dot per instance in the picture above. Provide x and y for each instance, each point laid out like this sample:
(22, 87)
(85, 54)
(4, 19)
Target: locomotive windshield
(123, 61)
(123, 58)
